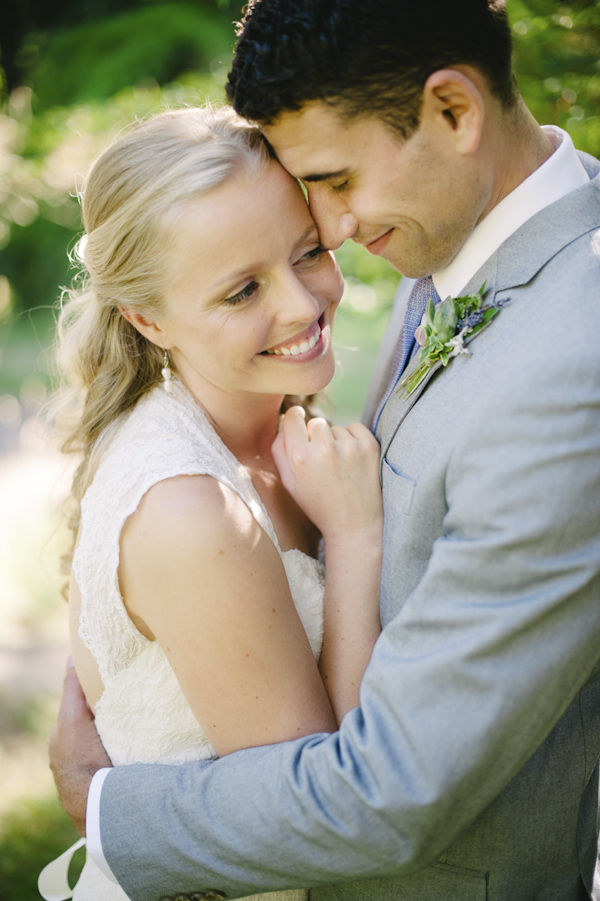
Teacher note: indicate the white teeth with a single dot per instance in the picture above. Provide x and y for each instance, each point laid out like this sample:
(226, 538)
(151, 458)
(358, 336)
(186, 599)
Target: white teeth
(296, 349)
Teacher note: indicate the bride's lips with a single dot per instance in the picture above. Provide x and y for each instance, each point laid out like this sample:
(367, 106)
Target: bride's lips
(302, 346)
(378, 246)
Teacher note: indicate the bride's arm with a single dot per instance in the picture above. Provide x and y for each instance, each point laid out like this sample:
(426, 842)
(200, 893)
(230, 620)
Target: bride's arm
(199, 575)
(333, 474)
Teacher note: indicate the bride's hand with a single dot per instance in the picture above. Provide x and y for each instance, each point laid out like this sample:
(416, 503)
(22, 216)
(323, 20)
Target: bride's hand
(332, 473)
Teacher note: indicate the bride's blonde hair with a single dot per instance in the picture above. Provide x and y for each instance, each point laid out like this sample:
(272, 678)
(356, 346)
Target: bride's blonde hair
(159, 164)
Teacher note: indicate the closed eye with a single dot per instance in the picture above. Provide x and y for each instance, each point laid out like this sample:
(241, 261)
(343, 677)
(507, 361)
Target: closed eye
(313, 254)
(242, 295)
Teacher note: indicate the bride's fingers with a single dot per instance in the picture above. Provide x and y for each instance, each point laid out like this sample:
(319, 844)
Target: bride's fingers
(340, 433)
(361, 432)
(295, 434)
(279, 451)
(278, 447)
(293, 413)
(293, 424)
(318, 429)
(357, 435)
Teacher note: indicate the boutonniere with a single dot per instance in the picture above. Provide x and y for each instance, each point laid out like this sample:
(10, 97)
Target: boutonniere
(443, 330)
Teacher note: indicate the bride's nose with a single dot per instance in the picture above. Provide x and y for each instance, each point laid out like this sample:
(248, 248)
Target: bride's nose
(295, 303)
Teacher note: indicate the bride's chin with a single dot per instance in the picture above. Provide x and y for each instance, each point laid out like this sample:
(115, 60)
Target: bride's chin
(319, 381)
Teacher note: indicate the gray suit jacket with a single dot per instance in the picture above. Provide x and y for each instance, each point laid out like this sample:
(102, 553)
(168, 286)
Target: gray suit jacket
(469, 772)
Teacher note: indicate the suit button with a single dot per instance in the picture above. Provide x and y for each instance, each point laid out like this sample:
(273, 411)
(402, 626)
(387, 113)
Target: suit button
(214, 894)
(181, 898)
(167, 898)
(198, 896)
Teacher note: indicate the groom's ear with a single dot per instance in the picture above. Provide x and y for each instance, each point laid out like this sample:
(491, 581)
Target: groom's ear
(453, 103)
(146, 327)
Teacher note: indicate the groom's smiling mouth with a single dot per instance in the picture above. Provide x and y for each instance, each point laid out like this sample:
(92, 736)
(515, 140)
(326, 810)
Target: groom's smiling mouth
(379, 244)
(299, 344)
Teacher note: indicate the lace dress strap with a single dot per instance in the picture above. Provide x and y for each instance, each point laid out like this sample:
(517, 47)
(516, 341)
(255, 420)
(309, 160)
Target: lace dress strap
(165, 435)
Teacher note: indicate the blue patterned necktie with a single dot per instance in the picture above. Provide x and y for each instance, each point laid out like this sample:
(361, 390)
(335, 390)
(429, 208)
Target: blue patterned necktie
(406, 347)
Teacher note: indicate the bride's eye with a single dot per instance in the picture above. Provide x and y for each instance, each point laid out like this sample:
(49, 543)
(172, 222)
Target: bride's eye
(244, 294)
(313, 254)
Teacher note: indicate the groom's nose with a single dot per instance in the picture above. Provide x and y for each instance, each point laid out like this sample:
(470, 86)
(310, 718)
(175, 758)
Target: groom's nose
(335, 222)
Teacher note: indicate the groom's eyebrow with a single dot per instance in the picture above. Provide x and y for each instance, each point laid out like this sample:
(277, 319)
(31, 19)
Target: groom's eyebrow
(324, 176)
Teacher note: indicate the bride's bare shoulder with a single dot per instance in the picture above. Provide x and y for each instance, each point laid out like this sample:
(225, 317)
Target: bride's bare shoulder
(190, 508)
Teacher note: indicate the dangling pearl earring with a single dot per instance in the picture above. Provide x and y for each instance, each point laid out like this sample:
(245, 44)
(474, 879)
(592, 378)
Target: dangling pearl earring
(166, 373)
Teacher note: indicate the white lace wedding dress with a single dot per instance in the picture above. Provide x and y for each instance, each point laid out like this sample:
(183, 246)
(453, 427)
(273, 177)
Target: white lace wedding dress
(143, 715)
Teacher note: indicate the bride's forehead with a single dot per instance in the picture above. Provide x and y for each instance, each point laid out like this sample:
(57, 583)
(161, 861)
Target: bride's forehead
(252, 212)
(266, 188)
(217, 238)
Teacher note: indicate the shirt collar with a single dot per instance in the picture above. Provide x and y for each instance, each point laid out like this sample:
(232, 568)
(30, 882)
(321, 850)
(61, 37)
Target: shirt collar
(560, 174)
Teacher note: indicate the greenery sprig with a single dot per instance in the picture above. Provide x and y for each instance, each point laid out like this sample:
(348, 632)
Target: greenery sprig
(443, 330)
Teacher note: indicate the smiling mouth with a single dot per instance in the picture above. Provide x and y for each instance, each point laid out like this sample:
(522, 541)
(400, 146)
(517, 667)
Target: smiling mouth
(375, 247)
(299, 345)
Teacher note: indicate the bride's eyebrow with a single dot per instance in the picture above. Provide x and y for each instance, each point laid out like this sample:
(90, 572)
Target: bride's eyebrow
(235, 276)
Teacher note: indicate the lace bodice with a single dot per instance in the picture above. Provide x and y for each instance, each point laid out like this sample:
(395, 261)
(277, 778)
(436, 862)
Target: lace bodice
(142, 715)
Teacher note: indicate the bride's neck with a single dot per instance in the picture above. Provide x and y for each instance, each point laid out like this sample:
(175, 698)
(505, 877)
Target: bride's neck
(247, 425)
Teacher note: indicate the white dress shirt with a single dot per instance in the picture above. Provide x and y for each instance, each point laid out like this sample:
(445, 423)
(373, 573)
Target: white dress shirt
(560, 174)
(92, 824)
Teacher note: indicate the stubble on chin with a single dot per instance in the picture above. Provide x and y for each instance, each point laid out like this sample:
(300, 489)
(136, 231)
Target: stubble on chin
(431, 252)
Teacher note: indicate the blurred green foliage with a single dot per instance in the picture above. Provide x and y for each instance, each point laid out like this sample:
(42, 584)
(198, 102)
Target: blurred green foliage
(167, 39)
(81, 73)
(557, 64)
(33, 833)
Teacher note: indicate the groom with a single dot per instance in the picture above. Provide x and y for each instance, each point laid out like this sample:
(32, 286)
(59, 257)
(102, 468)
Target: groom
(470, 770)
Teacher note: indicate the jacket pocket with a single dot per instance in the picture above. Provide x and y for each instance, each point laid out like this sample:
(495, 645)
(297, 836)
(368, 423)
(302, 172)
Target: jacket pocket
(398, 490)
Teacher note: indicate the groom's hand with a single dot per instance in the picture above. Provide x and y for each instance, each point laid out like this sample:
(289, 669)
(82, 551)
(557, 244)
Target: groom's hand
(76, 752)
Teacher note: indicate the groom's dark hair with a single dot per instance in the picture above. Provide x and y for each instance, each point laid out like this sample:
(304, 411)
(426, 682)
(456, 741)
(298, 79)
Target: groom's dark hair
(365, 57)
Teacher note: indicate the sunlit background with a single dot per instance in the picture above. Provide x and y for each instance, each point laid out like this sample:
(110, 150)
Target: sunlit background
(73, 73)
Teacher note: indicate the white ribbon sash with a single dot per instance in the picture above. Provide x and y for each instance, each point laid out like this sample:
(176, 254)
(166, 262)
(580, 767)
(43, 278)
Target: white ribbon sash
(53, 881)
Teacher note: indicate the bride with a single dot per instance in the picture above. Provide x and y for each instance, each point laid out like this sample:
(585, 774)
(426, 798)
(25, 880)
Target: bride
(201, 622)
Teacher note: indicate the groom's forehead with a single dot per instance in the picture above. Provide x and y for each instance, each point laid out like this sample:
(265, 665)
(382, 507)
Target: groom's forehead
(316, 143)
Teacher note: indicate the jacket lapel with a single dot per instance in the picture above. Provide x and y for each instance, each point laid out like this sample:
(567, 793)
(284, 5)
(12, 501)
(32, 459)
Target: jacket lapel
(398, 406)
